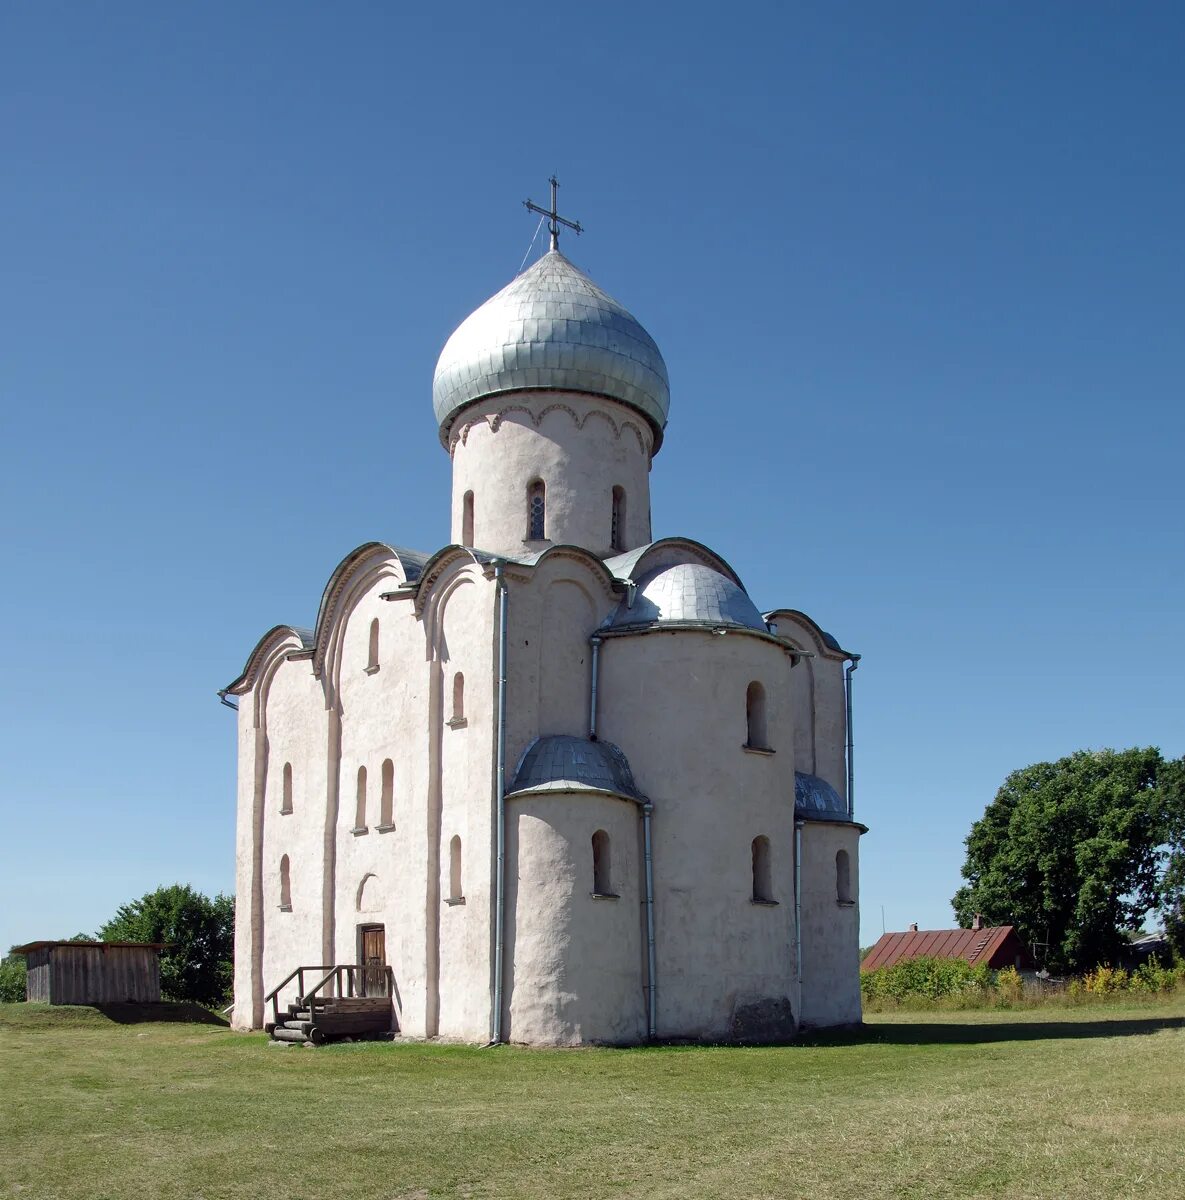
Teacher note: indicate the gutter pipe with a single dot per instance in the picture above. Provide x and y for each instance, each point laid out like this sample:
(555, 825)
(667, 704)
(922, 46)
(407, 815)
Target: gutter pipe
(798, 904)
(592, 697)
(853, 663)
(500, 802)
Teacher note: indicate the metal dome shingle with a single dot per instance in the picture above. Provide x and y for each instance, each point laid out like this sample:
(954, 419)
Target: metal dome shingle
(552, 327)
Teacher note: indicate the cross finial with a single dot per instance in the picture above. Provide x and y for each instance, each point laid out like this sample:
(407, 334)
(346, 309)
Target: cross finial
(554, 219)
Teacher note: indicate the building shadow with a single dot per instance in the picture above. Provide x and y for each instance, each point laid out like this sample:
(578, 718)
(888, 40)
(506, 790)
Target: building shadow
(138, 1014)
(937, 1033)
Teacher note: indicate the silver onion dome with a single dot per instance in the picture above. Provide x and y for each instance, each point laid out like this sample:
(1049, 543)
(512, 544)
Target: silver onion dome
(688, 594)
(552, 327)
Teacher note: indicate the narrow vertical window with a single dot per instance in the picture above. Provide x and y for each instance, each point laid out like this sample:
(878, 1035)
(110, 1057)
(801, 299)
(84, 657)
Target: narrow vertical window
(454, 869)
(467, 520)
(602, 867)
(762, 876)
(360, 806)
(458, 717)
(285, 885)
(286, 790)
(536, 511)
(755, 717)
(843, 878)
(617, 524)
(372, 654)
(387, 797)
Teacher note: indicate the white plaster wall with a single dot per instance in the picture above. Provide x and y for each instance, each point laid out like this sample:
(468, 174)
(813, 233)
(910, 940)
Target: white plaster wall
(575, 965)
(675, 703)
(296, 730)
(830, 930)
(248, 991)
(466, 808)
(580, 446)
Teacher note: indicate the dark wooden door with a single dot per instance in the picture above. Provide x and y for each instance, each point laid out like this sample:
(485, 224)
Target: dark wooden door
(374, 960)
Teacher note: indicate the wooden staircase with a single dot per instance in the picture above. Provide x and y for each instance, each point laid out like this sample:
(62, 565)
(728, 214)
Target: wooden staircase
(347, 1000)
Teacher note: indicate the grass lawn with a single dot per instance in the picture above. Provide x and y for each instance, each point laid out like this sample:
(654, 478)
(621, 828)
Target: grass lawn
(1074, 1103)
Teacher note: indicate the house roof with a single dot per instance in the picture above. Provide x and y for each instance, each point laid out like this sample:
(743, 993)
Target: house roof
(31, 946)
(972, 945)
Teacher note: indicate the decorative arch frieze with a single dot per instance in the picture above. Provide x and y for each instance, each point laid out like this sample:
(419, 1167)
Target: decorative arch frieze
(494, 421)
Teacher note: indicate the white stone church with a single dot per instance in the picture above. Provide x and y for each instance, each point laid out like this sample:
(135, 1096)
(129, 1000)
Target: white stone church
(565, 783)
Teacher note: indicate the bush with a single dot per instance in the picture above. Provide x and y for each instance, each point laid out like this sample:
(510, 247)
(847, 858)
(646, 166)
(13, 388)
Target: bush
(12, 979)
(931, 978)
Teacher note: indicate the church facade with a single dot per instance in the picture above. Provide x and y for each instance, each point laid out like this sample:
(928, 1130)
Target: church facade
(565, 780)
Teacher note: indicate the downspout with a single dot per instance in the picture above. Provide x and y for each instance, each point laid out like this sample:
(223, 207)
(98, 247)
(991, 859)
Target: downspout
(853, 663)
(592, 692)
(500, 802)
(798, 906)
(651, 954)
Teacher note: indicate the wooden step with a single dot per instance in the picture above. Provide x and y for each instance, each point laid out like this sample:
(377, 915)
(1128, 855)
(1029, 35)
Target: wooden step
(280, 1034)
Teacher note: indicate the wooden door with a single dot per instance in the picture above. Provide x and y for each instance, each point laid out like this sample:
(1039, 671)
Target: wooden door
(374, 960)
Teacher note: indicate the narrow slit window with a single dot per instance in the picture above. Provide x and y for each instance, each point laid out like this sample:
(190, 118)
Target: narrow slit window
(762, 875)
(467, 520)
(617, 523)
(285, 884)
(372, 654)
(536, 511)
(360, 806)
(843, 877)
(458, 698)
(454, 869)
(755, 729)
(602, 866)
(286, 790)
(387, 798)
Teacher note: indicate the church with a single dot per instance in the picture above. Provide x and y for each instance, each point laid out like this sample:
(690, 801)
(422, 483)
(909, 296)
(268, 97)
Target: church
(559, 782)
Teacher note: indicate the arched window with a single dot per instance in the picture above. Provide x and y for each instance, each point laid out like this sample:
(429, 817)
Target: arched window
(617, 524)
(372, 655)
(467, 520)
(762, 876)
(286, 790)
(458, 699)
(285, 885)
(755, 717)
(602, 867)
(360, 806)
(454, 869)
(536, 511)
(843, 877)
(387, 798)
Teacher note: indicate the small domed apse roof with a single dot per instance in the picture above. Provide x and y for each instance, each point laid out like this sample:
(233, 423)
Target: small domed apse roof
(552, 327)
(815, 797)
(688, 593)
(565, 763)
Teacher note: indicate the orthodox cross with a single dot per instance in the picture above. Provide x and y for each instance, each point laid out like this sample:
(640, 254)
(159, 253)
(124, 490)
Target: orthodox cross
(554, 219)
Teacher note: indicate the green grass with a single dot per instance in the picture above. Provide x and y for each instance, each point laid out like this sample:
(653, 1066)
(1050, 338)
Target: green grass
(1077, 1103)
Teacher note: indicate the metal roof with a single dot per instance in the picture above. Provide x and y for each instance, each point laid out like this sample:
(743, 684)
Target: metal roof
(815, 797)
(687, 594)
(552, 327)
(972, 945)
(564, 763)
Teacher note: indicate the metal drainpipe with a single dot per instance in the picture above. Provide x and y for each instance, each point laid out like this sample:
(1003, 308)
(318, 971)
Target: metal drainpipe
(651, 953)
(500, 794)
(592, 694)
(854, 662)
(798, 906)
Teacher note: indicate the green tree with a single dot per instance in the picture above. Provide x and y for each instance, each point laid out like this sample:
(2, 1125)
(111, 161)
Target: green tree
(198, 964)
(12, 978)
(1075, 852)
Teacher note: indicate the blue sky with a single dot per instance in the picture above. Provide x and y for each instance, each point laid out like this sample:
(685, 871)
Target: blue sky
(916, 271)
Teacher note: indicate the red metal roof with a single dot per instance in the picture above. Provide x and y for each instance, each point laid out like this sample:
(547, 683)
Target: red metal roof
(973, 945)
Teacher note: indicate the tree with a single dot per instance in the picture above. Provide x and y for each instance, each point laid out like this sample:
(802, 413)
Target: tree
(1075, 852)
(198, 964)
(12, 978)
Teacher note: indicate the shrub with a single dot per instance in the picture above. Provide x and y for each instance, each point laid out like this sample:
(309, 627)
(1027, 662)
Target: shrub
(931, 978)
(1010, 985)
